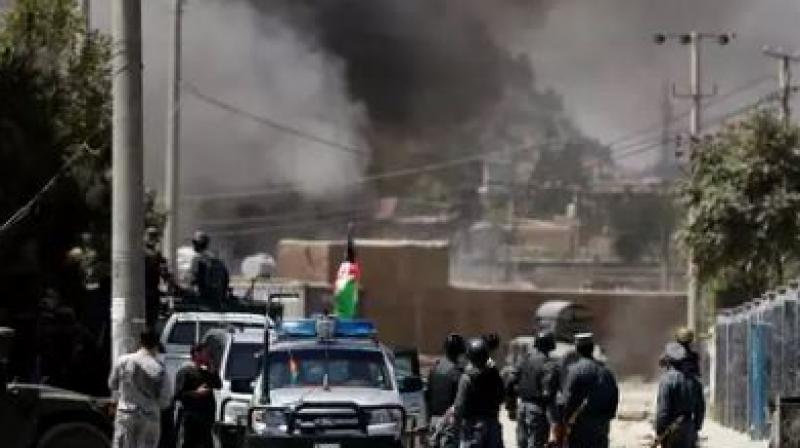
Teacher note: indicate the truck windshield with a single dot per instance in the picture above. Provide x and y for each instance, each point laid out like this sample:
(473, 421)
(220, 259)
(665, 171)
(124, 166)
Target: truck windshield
(344, 368)
(244, 361)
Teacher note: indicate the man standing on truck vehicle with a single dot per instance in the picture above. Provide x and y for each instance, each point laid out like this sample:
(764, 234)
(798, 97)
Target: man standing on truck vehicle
(155, 269)
(194, 394)
(535, 380)
(441, 393)
(480, 394)
(209, 278)
(139, 383)
(588, 401)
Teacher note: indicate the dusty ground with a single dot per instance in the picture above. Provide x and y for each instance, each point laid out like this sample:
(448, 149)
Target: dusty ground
(633, 428)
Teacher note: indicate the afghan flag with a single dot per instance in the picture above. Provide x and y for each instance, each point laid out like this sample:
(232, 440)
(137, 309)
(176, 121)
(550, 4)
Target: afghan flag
(345, 294)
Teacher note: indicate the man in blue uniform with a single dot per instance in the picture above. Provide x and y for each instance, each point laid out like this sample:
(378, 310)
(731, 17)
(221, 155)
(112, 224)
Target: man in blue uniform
(680, 407)
(589, 399)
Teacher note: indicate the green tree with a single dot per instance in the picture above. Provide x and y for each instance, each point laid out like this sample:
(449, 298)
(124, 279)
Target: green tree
(743, 206)
(55, 84)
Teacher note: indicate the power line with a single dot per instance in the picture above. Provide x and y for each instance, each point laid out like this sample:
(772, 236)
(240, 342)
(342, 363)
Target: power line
(364, 180)
(749, 85)
(281, 217)
(235, 110)
(655, 143)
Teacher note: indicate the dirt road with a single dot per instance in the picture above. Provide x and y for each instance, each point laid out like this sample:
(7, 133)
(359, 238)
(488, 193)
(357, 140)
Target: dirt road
(633, 428)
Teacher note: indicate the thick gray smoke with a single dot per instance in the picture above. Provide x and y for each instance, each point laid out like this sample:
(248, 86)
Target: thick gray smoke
(405, 78)
(256, 63)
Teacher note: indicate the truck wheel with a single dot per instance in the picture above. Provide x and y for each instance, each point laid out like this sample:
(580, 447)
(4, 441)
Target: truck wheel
(74, 435)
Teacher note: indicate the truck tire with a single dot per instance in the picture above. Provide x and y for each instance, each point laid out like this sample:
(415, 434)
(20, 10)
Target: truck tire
(74, 435)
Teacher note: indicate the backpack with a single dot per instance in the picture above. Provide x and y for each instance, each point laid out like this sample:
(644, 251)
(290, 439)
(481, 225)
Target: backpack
(213, 279)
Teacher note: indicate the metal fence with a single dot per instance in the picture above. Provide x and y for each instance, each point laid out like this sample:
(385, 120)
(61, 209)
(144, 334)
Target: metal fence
(757, 354)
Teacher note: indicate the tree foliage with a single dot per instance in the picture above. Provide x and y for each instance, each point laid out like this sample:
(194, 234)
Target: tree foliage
(55, 83)
(743, 206)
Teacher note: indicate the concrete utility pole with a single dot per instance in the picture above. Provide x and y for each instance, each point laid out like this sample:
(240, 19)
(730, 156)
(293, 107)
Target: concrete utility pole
(694, 40)
(87, 15)
(172, 175)
(127, 254)
(785, 87)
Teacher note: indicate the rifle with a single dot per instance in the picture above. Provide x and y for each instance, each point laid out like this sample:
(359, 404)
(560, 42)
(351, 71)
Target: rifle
(671, 429)
(563, 438)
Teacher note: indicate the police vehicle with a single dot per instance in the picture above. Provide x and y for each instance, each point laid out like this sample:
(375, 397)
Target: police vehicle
(329, 384)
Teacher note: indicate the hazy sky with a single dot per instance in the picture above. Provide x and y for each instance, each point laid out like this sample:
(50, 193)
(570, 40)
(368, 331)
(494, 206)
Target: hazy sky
(598, 54)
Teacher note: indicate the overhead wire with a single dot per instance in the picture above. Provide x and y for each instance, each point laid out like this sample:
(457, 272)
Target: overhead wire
(238, 111)
(709, 104)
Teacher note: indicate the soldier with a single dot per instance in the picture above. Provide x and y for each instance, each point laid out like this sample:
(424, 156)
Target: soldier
(441, 393)
(588, 401)
(209, 277)
(140, 384)
(480, 394)
(680, 407)
(535, 381)
(155, 269)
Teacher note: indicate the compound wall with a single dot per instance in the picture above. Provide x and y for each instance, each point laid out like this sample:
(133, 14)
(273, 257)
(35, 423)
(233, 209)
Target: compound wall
(407, 292)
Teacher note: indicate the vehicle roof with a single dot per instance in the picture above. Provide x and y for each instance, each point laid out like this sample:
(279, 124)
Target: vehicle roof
(338, 343)
(207, 316)
(248, 336)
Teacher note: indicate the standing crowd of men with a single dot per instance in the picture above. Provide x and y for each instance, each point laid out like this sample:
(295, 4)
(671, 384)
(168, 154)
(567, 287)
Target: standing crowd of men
(145, 398)
(152, 409)
(556, 402)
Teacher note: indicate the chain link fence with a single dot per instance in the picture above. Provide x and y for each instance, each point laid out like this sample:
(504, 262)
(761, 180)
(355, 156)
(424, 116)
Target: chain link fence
(757, 354)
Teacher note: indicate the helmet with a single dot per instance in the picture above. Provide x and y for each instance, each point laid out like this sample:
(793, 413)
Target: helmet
(684, 335)
(200, 239)
(454, 345)
(477, 352)
(545, 341)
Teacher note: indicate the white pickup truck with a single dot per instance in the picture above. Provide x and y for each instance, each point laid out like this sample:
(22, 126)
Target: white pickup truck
(183, 330)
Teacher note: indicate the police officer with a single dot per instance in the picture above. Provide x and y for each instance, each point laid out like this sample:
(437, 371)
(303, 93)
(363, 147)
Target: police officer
(480, 394)
(680, 407)
(588, 400)
(155, 269)
(535, 382)
(441, 393)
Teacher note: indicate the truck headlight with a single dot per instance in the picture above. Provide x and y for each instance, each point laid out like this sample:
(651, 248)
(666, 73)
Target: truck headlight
(385, 421)
(233, 411)
(266, 420)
